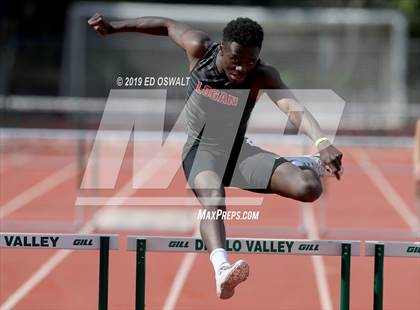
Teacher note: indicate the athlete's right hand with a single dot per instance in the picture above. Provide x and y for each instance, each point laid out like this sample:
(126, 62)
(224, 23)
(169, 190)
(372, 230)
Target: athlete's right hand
(100, 25)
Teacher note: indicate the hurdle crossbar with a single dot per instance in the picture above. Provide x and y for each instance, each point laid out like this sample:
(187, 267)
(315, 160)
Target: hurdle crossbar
(381, 249)
(345, 249)
(103, 243)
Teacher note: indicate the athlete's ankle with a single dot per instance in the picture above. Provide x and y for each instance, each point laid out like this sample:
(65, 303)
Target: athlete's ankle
(218, 258)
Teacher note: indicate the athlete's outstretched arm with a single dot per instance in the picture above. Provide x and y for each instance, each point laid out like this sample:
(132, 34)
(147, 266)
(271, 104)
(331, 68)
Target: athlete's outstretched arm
(192, 41)
(300, 117)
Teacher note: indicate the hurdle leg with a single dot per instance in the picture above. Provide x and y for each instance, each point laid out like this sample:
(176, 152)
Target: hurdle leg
(345, 276)
(140, 274)
(416, 158)
(103, 273)
(379, 277)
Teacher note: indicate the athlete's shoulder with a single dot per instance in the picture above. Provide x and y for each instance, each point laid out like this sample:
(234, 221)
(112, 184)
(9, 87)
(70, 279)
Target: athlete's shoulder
(211, 46)
(267, 71)
(199, 49)
(267, 76)
(196, 43)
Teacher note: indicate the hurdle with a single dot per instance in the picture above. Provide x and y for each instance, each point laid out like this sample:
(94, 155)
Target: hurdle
(69, 241)
(381, 249)
(343, 248)
(416, 166)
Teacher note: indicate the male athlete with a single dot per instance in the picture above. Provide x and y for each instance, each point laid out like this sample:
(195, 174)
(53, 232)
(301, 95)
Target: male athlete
(226, 80)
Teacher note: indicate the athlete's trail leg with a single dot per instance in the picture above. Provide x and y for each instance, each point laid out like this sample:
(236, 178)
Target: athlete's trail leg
(293, 182)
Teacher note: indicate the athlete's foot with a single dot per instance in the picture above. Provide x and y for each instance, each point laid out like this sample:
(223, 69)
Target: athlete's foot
(313, 162)
(229, 277)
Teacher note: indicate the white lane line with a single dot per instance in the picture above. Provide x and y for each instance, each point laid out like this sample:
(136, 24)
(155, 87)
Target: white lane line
(180, 277)
(38, 190)
(317, 261)
(387, 190)
(41, 273)
(179, 281)
(60, 255)
(37, 277)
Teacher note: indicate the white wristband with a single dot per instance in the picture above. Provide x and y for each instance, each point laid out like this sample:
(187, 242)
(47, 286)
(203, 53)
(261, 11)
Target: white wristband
(320, 140)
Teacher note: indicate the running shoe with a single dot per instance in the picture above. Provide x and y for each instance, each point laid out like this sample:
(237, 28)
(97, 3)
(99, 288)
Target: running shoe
(229, 277)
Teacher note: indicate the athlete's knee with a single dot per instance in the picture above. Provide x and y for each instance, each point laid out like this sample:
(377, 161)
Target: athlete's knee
(215, 199)
(212, 198)
(310, 188)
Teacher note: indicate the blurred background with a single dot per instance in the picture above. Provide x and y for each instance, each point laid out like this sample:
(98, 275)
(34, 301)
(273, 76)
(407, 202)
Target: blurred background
(367, 51)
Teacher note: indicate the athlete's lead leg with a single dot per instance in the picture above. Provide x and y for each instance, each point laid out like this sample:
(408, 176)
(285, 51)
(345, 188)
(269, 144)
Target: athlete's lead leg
(210, 191)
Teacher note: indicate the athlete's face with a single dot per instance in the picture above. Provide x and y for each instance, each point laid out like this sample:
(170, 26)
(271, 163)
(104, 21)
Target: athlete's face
(238, 60)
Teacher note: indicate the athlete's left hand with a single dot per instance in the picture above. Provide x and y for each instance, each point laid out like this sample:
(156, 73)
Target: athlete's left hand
(331, 157)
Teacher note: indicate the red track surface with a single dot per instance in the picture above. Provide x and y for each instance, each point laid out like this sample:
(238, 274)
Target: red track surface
(276, 282)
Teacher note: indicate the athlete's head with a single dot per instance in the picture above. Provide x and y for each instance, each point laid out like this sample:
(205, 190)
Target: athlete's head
(242, 40)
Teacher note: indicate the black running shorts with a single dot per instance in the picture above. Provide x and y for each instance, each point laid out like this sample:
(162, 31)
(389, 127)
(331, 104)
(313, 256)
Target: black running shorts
(248, 166)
